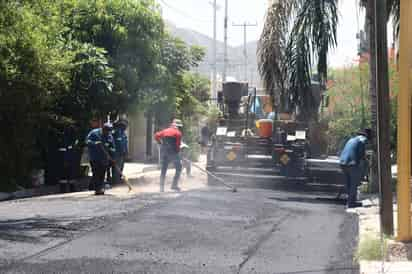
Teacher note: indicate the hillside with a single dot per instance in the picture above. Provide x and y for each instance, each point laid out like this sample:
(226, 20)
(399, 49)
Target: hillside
(235, 54)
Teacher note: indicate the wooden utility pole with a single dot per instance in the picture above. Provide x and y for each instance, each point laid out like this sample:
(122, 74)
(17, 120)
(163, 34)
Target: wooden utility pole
(371, 33)
(383, 118)
(404, 123)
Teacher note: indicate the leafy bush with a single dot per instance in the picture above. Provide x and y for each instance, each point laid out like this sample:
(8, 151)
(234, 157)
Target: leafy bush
(63, 62)
(349, 108)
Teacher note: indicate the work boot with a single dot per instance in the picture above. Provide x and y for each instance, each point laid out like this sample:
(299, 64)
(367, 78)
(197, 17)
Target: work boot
(99, 192)
(91, 186)
(176, 188)
(355, 204)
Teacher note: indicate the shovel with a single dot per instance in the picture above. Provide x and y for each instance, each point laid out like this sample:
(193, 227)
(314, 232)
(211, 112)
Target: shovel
(123, 177)
(220, 180)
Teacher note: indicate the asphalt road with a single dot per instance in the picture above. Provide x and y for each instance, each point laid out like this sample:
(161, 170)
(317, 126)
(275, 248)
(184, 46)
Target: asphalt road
(260, 229)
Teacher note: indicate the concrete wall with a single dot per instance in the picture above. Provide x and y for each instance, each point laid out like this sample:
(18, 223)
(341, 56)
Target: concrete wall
(137, 136)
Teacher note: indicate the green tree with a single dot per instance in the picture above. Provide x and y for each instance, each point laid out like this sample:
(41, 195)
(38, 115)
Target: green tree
(62, 62)
(131, 33)
(350, 104)
(297, 34)
(34, 67)
(168, 87)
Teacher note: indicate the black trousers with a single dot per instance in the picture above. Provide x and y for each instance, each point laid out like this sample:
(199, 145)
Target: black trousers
(99, 171)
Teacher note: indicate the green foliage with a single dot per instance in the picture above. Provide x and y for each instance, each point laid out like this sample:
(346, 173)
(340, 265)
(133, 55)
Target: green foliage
(131, 33)
(34, 67)
(91, 91)
(297, 35)
(63, 62)
(192, 102)
(349, 108)
(370, 249)
(174, 90)
(212, 116)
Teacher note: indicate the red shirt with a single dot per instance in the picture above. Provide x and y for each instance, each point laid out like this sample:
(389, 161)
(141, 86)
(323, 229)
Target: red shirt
(170, 132)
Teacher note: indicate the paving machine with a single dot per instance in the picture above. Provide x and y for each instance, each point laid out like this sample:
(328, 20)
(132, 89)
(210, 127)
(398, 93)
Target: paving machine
(252, 141)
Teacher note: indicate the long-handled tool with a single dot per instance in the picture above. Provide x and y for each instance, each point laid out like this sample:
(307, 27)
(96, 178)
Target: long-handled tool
(123, 178)
(220, 180)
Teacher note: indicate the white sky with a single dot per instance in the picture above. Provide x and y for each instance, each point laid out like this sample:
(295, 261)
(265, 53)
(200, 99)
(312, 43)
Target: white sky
(198, 15)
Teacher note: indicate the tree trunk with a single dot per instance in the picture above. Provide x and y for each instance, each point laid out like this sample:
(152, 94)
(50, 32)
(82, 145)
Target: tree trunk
(370, 25)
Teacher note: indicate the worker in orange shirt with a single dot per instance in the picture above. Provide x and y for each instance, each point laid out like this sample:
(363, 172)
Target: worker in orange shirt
(170, 140)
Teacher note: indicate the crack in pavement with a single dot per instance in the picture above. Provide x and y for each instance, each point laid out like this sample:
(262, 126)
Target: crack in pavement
(254, 248)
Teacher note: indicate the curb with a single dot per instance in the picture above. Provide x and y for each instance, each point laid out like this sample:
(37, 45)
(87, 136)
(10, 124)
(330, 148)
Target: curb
(150, 169)
(81, 185)
(28, 193)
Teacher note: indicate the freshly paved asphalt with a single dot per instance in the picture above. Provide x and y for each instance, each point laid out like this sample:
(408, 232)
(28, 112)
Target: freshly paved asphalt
(259, 229)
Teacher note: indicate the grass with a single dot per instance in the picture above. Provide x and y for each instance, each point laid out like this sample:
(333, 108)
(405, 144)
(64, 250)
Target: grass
(370, 248)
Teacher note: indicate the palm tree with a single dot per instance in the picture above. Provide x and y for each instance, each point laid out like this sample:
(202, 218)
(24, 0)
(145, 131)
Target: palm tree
(297, 33)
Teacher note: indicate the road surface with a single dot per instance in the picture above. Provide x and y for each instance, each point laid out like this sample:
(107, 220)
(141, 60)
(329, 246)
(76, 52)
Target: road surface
(259, 229)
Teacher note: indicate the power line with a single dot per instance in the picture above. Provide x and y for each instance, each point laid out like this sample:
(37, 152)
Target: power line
(182, 13)
(245, 25)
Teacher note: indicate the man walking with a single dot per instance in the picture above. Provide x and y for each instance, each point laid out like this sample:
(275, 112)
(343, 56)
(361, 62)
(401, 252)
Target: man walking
(170, 140)
(101, 151)
(351, 159)
(121, 146)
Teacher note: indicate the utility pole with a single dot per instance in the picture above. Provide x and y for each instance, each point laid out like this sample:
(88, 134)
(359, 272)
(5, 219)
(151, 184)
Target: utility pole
(245, 25)
(404, 123)
(383, 113)
(225, 59)
(214, 76)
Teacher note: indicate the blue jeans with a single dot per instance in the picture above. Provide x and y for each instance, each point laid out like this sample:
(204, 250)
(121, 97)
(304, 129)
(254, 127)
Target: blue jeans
(167, 158)
(98, 170)
(353, 175)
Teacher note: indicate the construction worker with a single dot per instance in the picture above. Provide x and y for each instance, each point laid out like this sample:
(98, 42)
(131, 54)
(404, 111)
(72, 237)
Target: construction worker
(351, 158)
(121, 146)
(101, 152)
(170, 140)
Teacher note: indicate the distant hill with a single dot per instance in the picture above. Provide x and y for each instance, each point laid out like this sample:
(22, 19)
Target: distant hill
(235, 54)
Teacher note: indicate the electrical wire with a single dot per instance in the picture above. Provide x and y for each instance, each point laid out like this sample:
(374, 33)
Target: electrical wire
(186, 15)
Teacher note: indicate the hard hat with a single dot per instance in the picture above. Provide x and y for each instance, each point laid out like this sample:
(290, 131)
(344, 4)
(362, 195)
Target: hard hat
(178, 123)
(121, 122)
(108, 125)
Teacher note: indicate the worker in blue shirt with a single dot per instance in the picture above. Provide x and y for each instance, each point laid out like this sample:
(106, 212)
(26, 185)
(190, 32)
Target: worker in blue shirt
(351, 158)
(101, 148)
(121, 146)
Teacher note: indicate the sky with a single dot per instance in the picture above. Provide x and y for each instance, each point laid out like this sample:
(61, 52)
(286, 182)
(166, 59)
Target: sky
(198, 15)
